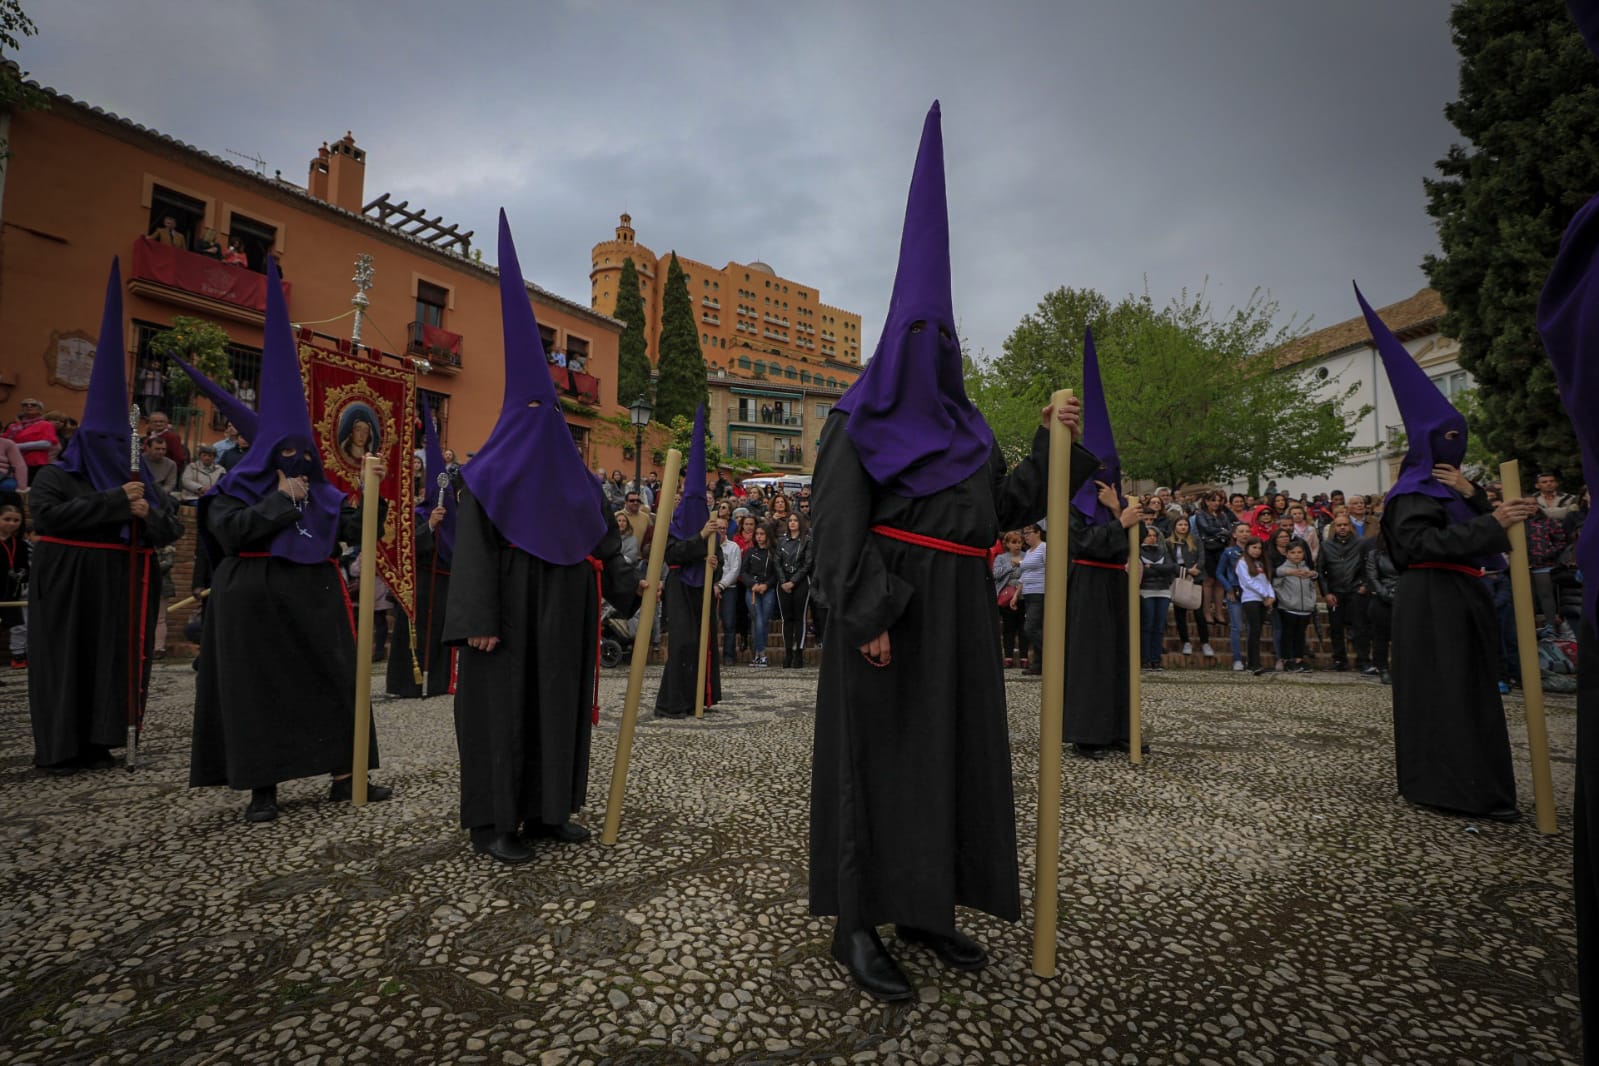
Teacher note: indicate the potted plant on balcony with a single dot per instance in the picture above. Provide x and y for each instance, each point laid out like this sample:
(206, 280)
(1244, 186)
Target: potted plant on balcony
(203, 345)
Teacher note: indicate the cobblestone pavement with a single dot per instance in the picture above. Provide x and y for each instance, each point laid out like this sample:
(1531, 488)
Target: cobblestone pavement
(1255, 894)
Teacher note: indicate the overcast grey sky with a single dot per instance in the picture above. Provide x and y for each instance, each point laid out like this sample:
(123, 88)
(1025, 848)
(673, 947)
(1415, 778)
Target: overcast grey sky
(1278, 144)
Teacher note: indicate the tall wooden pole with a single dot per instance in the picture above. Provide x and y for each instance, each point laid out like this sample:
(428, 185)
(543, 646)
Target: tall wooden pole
(1135, 681)
(705, 623)
(1527, 649)
(363, 627)
(135, 586)
(1052, 698)
(641, 654)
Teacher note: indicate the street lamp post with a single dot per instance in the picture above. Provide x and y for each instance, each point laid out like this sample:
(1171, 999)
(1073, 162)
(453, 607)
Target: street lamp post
(640, 413)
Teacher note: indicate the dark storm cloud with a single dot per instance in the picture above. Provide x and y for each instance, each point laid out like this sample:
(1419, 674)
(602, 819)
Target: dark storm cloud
(1253, 143)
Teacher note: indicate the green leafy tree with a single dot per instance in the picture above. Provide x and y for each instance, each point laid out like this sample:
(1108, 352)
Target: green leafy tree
(1194, 396)
(1528, 106)
(680, 383)
(15, 93)
(202, 344)
(633, 357)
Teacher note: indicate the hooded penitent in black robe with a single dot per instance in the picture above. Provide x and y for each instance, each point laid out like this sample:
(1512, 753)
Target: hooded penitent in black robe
(1450, 738)
(432, 593)
(275, 694)
(78, 614)
(1096, 713)
(911, 805)
(682, 605)
(523, 712)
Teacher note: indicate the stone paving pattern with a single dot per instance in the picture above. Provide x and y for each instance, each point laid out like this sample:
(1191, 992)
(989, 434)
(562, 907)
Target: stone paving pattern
(1256, 893)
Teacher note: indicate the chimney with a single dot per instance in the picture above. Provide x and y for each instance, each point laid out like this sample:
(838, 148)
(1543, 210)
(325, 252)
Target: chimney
(316, 182)
(346, 180)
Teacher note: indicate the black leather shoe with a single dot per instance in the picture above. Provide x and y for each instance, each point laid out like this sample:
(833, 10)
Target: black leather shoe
(1505, 814)
(568, 832)
(1090, 751)
(959, 951)
(1125, 746)
(263, 804)
(343, 791)
(506, 847)
(862, 953)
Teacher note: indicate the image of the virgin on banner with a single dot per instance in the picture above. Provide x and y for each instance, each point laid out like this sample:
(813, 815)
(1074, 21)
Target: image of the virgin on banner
(361, 408)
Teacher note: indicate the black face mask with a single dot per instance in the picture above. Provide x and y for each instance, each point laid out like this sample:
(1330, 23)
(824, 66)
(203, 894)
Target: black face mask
(298, 465)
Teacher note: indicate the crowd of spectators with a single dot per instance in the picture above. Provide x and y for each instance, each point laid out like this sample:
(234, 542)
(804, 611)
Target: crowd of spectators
(1280, 569)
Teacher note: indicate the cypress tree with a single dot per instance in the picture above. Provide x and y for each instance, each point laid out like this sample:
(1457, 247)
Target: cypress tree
(680, 378)
(1529, 102)
(633, 362)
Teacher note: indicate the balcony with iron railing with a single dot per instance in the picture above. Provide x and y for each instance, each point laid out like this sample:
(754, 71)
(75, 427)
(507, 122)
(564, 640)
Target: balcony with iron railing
(755, 416)
(773, 453)
(189, 279)
(437, 345)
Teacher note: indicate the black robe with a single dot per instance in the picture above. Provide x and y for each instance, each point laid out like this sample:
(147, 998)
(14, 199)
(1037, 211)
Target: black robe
(1450, 739)
(523, 711)
(275, 692)
(682, 605)
(1586, 831)
(78, 606)
(432, 657)
(1097, 655)
(911, 805)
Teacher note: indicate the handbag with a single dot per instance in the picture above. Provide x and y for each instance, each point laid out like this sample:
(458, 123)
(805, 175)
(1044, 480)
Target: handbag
(1007, 595)
(1186, 593)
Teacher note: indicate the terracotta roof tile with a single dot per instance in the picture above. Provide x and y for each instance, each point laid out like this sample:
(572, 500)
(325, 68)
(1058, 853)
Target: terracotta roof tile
(1419, 313)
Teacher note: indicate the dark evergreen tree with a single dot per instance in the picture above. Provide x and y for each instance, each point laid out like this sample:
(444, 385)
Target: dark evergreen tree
(1528, 108)
(633, 356)
(680, 366)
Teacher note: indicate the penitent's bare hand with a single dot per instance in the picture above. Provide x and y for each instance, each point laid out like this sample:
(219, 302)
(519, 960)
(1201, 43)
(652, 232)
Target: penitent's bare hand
(483, 643)
(877, 650)
(1070, 415)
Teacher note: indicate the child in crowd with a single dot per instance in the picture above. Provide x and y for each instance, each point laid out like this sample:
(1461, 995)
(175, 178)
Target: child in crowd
(1257, 596)
(1295, 585)
(17, 552)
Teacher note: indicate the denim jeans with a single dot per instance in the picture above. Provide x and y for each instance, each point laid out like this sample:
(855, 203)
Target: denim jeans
(761, 607)
(1152, 611)
(728, 608)
(1235, 628)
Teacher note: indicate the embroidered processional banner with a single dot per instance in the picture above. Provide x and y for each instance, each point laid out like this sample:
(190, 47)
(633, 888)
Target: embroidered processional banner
(359, 407)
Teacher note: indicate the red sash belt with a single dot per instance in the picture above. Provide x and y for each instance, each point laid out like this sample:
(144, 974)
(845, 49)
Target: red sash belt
(1459, 568)
(117, 547)
(344, 587)
(599, 594)
(1096, 564)
(922, 541)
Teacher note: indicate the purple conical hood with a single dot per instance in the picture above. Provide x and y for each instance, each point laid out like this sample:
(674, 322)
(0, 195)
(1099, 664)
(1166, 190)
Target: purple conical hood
(909, 418)
(692, 511)
(284, 422)
(444, 536)
(233, 409)
(1568, 319)
(1099, 438)
(528, 475)
(101, 450)
(1429, 419)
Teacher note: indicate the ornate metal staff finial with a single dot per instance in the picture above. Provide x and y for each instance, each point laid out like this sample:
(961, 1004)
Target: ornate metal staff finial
(133, 439)
(363, 282)
(443, 482)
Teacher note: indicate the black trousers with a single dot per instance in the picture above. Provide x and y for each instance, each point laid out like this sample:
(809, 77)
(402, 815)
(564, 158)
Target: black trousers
(1293, 641)
(1033, 626)
(1381, 617)
(1012, 627)
(1254, 620)
(1203, 629)
(1351, 620)
(792, 607)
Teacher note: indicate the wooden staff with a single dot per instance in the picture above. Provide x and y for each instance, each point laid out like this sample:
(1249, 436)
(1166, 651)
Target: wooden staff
(1135, 681)
(135, 617)
(1527, 648)
(1052, 698)
(705, 625)
(641, 654)
(363, 627)
(188, 601)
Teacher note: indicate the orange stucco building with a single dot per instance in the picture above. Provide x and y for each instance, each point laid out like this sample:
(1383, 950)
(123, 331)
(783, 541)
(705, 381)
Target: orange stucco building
(776, 357)
(83, 185)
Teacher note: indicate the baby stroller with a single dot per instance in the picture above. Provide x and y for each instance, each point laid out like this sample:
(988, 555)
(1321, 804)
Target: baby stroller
(616, 635)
